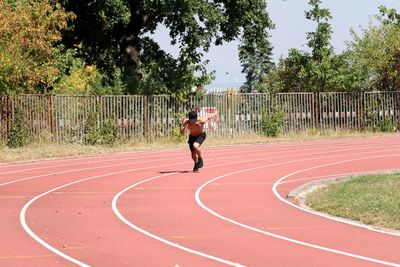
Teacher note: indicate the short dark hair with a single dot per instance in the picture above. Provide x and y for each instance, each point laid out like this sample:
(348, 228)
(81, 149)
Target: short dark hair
(192, 116)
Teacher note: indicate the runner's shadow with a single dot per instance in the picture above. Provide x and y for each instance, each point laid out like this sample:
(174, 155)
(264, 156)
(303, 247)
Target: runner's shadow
(174, 172)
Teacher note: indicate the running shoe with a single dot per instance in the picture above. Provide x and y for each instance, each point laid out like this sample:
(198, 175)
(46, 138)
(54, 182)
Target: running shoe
(200, 162)
(196, 167)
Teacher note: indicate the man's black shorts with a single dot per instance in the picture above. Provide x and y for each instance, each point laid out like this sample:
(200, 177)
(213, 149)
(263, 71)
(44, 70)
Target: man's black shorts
(196, 139)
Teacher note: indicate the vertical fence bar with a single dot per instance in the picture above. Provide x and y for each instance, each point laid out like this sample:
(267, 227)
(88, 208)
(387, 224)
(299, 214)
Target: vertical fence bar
(136, 117)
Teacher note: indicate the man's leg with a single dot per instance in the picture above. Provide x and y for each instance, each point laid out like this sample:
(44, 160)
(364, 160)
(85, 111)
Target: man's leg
(199, 159)
(194, 156)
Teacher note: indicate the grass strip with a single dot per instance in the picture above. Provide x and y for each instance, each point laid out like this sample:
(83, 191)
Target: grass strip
(371, 199)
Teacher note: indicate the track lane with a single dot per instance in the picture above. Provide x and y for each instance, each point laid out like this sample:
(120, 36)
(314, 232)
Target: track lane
(301, 228)
(239, 153)
(163, 201)
(99, 191)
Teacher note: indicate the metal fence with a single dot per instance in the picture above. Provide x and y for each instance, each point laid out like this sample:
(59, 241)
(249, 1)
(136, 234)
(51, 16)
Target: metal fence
(64, 118)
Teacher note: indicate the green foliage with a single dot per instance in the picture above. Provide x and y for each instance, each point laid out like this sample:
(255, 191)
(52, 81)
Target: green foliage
(318, 71)
(272, 123)
(18, 135)
(387, 125)
(376, 52)
(78, 78)
(302, 71)
(389, 16)
(255, 51)
(92, 129)
(119, 34)
(99, 135)
(319, 41)
(177, 136)
(28, 32)
(108, 133)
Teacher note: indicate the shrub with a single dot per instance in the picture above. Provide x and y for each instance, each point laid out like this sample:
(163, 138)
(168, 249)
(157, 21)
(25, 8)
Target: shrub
(387, 125)
(272, 122)
(96, 135)
(108, 133)
(17, 136)
(92, 131)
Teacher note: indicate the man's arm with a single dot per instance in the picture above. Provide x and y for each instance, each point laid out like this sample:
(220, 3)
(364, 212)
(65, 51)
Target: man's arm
(209, 116)
(182, 126)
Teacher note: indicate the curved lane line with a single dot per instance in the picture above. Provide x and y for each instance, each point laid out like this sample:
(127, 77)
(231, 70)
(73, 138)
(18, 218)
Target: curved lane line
(150, 153)
(201, 204)
(41, 241)
(368, 227)
(110, 158)
(124, 164)
(330, 176)
(165, 241)
(54, 250)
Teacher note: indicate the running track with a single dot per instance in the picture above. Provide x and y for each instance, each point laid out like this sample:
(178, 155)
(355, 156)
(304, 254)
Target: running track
(148, 209)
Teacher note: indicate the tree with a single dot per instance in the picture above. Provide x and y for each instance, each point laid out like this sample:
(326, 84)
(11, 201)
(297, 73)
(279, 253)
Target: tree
(318, 70)
(255, 51)
(376, 51)
(321, 49)
(29, 31)
(303, 71)
(319, 41)
(118, 33)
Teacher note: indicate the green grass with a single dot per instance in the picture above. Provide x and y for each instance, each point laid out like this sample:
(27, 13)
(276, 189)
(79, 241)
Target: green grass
(371, 199)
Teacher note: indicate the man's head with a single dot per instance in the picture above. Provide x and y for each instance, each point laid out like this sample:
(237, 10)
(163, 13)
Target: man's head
(192, 116)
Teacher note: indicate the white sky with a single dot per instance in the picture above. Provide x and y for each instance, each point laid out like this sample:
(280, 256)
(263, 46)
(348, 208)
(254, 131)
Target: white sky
(290, 32)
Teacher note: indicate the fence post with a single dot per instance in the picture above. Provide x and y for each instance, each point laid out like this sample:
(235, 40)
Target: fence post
(9, 113)
(396, 110)
(50, 113)
(363, 111)
(145, 117)
(317, 115)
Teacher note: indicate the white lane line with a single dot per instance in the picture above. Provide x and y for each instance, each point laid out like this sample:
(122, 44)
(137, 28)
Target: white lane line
(347, 174)
(80, 158)
(27, 229)
(164, 158)
(114, 156)
(201, 204)
(43, 243)
(165, 241)
(48, 246)
(158, 160)
(368, 227)
(87, 169)
(116, 211)
(97, 162)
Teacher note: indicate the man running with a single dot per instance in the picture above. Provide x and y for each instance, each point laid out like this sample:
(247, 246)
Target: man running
(197, 135)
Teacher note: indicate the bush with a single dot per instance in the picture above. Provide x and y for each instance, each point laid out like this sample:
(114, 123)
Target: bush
(272, 122)
(108, 133)
(17, 136)
(387, 125)
(96, 135)
(92, 129)
(176, 135)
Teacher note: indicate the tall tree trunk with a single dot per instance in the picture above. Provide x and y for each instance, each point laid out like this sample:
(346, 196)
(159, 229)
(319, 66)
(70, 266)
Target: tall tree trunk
(130, 44)
(130, 55)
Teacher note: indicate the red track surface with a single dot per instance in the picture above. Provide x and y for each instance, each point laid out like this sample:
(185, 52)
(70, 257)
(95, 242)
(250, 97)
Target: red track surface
(149, 209)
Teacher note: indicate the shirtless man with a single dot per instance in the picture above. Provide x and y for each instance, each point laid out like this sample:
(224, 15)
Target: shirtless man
(197, 135)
